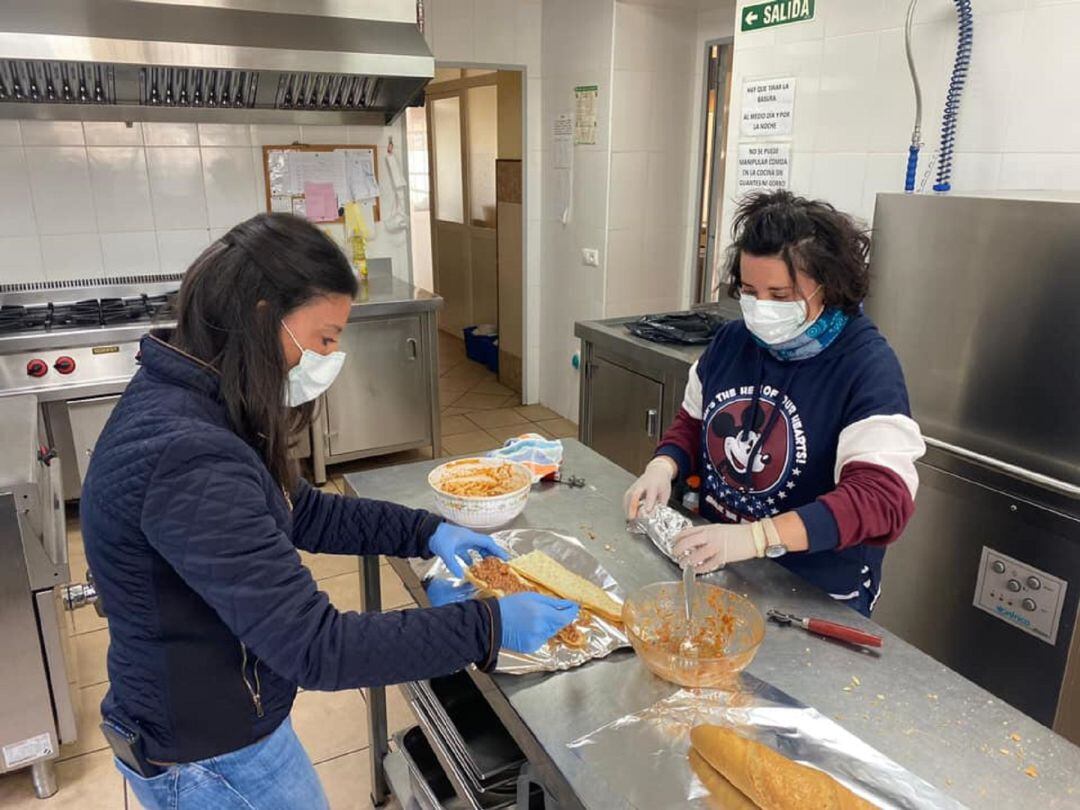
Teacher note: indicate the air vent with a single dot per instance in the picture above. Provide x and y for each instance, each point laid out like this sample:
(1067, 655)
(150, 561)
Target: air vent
(110, 281)
(196, 87)
(326, 91)
(40, 82)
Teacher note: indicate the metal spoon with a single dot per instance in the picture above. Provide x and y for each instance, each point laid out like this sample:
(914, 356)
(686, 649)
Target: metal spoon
(688, 578)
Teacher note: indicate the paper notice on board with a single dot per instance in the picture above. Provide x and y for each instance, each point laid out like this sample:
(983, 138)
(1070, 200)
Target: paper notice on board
(585, 114)
(321, 202)
(360, 174)
(281, 204)
(563, 133)
(318, 167)
(768, 107)
(763, 165)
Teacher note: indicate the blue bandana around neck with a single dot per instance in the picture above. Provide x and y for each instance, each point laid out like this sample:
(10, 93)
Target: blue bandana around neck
(813, 341)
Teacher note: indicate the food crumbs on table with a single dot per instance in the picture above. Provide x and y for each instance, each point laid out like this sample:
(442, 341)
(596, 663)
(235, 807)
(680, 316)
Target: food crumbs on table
(847, 688)
(1005, 751)
(856, 681)
(948, 782)
(1031, 771)
(880, 697)
(1015, 737)
(931, 696)
(608, 547)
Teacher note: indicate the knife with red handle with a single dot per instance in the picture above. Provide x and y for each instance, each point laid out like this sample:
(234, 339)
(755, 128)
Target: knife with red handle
(828, 629)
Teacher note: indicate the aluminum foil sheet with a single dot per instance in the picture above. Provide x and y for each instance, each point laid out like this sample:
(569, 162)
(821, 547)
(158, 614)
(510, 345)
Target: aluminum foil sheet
(601, 636)
(662, 526)
(653, 744)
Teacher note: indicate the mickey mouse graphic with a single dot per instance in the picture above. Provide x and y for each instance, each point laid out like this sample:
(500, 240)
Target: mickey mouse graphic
(739, 440)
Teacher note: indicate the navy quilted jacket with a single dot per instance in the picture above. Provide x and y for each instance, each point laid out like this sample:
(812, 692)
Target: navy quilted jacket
(213, 621)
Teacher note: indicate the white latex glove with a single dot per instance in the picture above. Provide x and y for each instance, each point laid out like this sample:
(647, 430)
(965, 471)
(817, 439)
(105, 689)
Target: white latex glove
(714, 546)
(652, 488)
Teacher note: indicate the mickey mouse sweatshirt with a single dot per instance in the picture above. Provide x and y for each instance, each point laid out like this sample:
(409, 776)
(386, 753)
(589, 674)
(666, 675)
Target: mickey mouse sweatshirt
(830, 437)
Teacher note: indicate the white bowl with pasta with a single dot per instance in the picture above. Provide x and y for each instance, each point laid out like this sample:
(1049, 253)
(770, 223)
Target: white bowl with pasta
(481, 493)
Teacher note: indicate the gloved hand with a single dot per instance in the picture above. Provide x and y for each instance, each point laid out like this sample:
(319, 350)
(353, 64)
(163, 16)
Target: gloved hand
(714, 546)
(652, 488)
(530, 619)
(451, 543)
(443, 592)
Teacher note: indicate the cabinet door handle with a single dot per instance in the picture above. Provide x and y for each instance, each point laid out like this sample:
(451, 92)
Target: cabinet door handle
(414, 351)
(652, 422)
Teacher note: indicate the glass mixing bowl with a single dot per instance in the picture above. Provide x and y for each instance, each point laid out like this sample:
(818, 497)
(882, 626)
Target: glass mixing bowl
(728, 629)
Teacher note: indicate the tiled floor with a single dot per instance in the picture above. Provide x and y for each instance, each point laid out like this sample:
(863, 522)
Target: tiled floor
(478, 414)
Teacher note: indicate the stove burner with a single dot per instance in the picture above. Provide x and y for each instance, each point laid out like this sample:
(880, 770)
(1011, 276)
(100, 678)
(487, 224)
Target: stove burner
(17, 318)
(89, 312)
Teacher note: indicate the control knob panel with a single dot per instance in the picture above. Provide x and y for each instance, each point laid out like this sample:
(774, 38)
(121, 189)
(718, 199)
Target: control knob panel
(1019, 594)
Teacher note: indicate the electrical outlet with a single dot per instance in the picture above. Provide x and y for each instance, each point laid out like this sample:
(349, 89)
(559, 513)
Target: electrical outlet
(590, 257)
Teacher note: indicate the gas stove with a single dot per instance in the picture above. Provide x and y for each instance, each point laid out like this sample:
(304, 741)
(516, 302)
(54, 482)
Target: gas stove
(78, 335)
(75, 345)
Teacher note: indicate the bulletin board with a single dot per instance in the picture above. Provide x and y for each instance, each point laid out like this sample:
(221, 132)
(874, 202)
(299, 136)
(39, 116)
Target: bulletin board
(291, 171)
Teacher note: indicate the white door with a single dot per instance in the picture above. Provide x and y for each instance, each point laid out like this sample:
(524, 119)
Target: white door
(463, 145)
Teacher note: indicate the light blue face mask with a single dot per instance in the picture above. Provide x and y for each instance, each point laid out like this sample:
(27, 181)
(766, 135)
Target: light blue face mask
(312, 375)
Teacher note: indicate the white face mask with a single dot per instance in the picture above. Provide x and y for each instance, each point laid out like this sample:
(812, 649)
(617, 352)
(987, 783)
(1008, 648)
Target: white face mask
(312, 375)
(775, 322)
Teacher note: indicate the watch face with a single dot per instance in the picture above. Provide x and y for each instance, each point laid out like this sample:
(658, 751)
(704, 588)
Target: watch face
(772, 552)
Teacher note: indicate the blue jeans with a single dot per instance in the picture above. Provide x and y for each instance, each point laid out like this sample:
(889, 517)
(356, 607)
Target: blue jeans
(272, 774)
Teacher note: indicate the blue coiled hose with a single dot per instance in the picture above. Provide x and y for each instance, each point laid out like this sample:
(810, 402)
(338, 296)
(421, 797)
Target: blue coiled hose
(964, 38)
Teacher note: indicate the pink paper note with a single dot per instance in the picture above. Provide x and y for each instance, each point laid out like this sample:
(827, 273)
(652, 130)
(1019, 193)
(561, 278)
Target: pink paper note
(321, 202)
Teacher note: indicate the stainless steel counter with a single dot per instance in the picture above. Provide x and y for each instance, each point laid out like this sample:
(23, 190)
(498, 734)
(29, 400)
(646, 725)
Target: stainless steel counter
(631, 390)
(612, 334)
(931, 720)
(390, 377)
(381, 293)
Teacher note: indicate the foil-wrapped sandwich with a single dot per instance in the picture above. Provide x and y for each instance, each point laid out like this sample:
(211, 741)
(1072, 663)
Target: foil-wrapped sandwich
(662, 525)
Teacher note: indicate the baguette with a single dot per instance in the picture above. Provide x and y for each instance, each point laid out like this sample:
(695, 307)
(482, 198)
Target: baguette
(722, 794)
(541, 569)
(770, 780)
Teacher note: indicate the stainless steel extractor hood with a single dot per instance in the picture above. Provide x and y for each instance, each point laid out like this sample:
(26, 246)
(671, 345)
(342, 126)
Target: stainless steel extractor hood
(120, 60)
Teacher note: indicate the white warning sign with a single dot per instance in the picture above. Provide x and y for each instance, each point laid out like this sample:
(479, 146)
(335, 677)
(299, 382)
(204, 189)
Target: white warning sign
(768, 107)
(764, 166)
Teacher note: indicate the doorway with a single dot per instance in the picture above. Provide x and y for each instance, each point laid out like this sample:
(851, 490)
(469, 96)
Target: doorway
(717, 102)
(473, 118)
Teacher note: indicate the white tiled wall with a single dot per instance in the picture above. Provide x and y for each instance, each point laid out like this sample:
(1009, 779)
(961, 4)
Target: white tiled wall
(655, 112)
(85, 200)
(1019, 125)
(576, 50)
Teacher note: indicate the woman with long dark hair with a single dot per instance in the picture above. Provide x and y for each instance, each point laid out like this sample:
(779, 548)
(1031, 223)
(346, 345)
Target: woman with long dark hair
(192, 514)
(796, 417)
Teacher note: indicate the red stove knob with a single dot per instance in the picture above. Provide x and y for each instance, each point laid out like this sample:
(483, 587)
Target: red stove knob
(37, 368)
(64, 365)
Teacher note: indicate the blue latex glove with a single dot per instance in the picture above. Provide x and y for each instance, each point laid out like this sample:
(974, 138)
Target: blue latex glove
(443, 592)
(452, 542)
(530, 619)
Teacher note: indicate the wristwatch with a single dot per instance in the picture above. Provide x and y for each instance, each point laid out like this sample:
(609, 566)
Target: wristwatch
(774, 546)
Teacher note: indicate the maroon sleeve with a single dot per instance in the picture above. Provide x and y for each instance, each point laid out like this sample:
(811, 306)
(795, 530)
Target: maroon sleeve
(682, 443)
(871, 504)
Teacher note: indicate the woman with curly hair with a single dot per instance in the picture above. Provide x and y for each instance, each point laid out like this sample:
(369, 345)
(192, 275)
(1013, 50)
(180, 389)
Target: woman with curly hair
(796, 418)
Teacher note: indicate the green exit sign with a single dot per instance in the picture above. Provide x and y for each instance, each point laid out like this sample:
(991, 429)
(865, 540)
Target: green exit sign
(778, 12)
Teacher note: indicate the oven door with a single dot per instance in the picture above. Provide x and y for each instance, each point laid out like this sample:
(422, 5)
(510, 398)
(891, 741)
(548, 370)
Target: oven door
(87, 418)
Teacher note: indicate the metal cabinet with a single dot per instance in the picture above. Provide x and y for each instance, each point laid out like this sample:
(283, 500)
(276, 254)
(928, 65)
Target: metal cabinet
(624, 413)
(382, 398)
(631, 390)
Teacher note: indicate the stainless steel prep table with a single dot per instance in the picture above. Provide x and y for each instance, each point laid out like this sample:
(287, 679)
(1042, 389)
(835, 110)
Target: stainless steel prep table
(931, 720)
(386, 398)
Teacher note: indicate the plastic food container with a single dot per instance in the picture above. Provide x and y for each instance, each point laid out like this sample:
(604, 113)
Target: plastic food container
(728, 629)
(479, 511)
